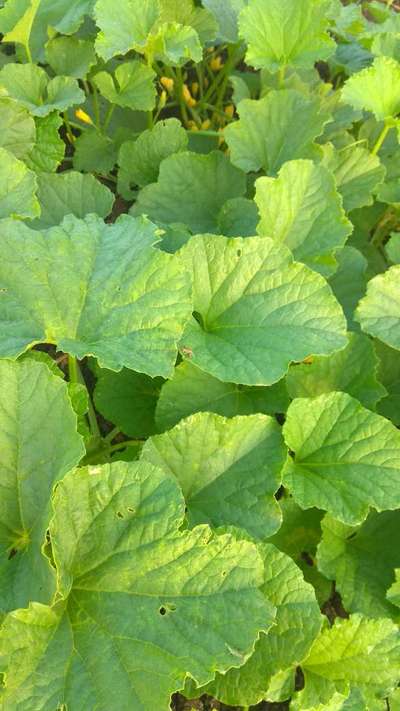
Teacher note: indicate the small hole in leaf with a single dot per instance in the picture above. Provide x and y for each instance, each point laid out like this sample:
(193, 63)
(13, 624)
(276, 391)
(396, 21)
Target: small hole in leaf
(12, 553)
(130, 509)
(162, 611)
(239, 252)
(352, 535)
(223, 573)
(120, 514)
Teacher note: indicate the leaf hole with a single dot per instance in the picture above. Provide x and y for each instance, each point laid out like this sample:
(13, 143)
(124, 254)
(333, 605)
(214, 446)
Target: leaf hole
(166, 608)
(239, 252)
(120, 514)
(13, 552)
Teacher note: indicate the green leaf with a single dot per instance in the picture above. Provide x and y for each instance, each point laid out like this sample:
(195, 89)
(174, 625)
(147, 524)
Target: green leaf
(39, 444)
(185, 12)
(379, 311)
(128, 400)
(297, 624)
(17, 129)
(238, 218)
(350, 282)
(393, 594)
(228, 469)
(357, 174)
(302, 209)
(94, 152)
(298, 537)
(285, 32)
(18, 187)
(191, 390)
(226, 12)
(93, 289)
(392, 248)
(136, 607)
(139, 161)
(375, 89)
(386, 44)
(361, 561)
(20, 31)
(346, 458)
(340, 371)
(250, 320)
(359, 652)
(174, 44)
(206, 181)
(70, 56)
(31, 86)
(389, 376)
(48, 151)
(61, 194)
(128, 30)
(132, 86)
(280, 127)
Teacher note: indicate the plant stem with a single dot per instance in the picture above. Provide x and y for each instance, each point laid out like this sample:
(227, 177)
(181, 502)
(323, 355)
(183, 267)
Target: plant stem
(108, 117)
(111, 435)
(96, 106)
(75, 376)
(68, 129)
(381, 138)
(179, 87)
(281, 76)
(73, 369)
(219, 134)
(122, 445)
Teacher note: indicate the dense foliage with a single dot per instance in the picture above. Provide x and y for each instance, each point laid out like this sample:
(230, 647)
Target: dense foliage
(199, 354)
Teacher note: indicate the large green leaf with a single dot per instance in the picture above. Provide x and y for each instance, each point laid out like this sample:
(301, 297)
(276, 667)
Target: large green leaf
(206, 181)
(18, 186)
(393, 594)
(297, 624)
(349, 282)
(255, 310)
(132, 86)
(359, 652)
(93, 289)
(39, 444)
(298, 537)
(48, 151)
(280, 127)
(375, 89)
(143, 600)
(346, 459)
(226, 12)
(361, 561)
(191, 390)
(229, 469)
(94, 152)
(340, 371)
(285, 32)
(17, 128)
(30, 85)
(174, 44)
(139, 161)
(127, 30)
(302, 209)
(128, 400)
(389, 376)
(357, 174)
(379, 311)
(187, 12)
(71, 56)
(70, 192)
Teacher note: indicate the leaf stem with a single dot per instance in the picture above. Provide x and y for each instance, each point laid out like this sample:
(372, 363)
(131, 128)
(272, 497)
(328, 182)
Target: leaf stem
(281, 76)
(179, 87)
(68, 129)
(108, 117)
(75, 376)
(73, 369)
(385, 130)
(122, 445)
(111, 435)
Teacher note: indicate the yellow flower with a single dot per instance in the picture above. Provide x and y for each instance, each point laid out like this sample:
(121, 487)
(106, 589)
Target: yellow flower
(192, 126)
(167, 83)
(195, 88)
(162, 100)
(229, 110)
(216, 64)
(188, 98)
(83, 116)
(206, 124)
